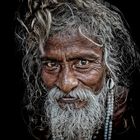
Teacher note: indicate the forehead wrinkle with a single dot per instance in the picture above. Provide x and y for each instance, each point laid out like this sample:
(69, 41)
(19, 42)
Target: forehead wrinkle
(70, 54)
(74, 46)
(83, 51)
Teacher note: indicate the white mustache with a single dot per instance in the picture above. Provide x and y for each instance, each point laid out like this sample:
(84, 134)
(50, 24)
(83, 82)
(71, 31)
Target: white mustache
(82, 94)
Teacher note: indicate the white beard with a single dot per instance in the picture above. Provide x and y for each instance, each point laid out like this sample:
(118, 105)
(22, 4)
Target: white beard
(71, 123)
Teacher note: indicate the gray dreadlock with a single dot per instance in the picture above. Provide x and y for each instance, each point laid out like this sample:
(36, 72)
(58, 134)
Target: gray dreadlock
(43, 18)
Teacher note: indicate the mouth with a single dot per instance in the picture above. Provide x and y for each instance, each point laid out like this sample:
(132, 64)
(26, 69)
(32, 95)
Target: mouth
(77, 103)
(68, 100)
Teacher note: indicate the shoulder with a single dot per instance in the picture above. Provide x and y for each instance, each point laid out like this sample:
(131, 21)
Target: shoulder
(126, 119)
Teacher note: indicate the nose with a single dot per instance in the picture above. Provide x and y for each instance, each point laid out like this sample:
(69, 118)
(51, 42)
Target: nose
(67, 81)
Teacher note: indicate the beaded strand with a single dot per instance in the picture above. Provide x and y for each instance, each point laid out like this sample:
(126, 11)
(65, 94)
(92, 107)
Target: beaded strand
(110, 108)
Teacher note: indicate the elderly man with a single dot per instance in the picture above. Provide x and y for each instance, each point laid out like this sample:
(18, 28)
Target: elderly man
(78, 62)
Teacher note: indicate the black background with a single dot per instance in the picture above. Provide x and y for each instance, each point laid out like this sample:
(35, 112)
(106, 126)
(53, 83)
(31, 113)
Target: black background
(12, 87)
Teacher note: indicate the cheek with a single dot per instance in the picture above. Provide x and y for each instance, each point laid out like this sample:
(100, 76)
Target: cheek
(48, 79)
(92, 79)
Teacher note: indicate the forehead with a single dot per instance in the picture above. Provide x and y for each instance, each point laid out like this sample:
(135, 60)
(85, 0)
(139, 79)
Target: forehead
(71, 45)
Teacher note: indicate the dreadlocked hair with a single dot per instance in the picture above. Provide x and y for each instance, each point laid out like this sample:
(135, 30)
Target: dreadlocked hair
(40, 19)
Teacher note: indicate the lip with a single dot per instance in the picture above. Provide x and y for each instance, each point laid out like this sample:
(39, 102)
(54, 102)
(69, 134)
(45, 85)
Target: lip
(76, 102)
(68, 100)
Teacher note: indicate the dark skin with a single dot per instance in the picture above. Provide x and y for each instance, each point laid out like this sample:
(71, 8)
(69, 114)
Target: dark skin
(71, 62)
(74, 62)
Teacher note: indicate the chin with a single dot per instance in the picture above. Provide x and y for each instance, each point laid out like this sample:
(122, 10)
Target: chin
(78, 116)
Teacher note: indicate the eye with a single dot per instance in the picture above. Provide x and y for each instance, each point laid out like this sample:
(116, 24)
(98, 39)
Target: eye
(51, 65)
(82, 64)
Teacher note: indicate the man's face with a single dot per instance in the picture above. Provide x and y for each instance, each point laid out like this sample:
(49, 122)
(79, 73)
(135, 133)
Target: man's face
(71, 62)
(73, 71)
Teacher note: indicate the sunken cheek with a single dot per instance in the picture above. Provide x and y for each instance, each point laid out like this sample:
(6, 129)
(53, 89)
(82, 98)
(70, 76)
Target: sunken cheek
(92, 79)
(48, 78)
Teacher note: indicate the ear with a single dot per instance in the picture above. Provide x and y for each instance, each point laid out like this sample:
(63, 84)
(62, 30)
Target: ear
(107, 72)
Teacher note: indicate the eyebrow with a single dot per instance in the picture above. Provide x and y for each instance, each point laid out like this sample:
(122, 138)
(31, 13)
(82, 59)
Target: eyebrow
(84, 56)
(46, 58)
(90, 56)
